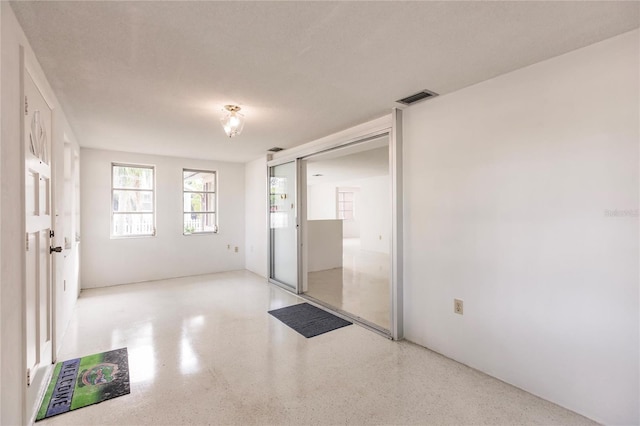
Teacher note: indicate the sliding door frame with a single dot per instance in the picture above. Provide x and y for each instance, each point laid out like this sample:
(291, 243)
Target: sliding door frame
(397, 214)
(297, 288)
(394, 132)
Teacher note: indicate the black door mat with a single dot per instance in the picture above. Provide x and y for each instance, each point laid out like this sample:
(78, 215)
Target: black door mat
(309, 320)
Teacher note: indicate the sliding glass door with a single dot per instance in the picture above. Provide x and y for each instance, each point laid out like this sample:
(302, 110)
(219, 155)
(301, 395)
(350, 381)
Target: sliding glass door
(283, 225)
(347, 230)
(335, 226)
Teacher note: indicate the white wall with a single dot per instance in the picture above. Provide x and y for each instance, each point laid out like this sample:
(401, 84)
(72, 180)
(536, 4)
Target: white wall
(10, 268)
(107, 261)
(374, 214)
(1, 142)
(508, 185)
(12, 366)
(256, 217)
(321, 201)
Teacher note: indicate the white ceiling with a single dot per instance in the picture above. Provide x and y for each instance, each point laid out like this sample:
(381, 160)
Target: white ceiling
(152, 77)
(359, 161)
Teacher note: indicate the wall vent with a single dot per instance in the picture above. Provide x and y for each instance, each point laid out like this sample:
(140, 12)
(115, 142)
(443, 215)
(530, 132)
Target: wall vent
(417, 97)
(275, 149)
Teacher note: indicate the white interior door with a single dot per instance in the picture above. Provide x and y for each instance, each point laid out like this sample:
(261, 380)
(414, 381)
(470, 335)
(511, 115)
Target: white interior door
(38, 220)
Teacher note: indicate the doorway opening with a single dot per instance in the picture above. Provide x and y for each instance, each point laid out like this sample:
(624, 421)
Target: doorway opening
(347, 225)
(335, 224)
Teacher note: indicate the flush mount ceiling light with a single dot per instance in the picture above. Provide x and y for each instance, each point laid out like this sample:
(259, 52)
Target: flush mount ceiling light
(232, 121)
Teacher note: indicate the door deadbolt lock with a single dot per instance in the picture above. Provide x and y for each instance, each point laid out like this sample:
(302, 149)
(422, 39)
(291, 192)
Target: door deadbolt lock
(56, 249)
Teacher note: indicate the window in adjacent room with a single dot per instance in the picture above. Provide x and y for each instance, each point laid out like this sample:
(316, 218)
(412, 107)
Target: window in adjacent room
(199, 190)
(132, 201)
(346, 204)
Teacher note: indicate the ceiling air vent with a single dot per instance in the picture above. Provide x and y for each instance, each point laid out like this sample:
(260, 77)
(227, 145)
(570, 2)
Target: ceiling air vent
(275, 149)
(417, 97)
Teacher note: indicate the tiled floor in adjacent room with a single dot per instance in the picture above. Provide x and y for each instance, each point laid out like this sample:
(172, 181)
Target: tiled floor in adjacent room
(361, 287)
(203, 350)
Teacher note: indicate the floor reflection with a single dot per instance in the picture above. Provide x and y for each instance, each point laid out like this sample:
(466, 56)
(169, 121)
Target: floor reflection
(142, 363)
(361, 287)
(191, 329)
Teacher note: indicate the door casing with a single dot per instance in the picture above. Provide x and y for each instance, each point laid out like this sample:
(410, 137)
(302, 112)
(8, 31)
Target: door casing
(392, 127)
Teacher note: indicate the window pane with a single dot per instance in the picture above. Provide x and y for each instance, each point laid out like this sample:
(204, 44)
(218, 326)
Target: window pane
(347, 215)
(132, 201)
(278, 184)
(199, 202)
(132, 177)
(132, 224)
(199, 181)
(199, 222)
(279, 219)
(348, 196)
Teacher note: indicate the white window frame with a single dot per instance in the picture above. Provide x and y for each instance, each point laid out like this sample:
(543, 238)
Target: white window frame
(153, 203)
(215, 202)
(343, 190)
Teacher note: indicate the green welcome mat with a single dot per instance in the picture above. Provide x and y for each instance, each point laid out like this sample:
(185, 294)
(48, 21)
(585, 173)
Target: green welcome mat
(84, 381)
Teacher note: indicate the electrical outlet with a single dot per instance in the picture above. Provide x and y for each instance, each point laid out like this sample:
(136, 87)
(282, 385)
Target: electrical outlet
(458, 306)
(236, 250)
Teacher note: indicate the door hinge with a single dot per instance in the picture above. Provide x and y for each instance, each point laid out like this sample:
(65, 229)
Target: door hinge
(28, 377)
(52, 233)
(26, 105)
(27, 240)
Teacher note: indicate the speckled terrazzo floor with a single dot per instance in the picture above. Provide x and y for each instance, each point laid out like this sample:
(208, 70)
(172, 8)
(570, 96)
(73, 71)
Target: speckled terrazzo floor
(203, 350)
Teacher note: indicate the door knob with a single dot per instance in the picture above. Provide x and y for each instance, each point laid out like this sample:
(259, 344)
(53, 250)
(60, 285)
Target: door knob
(56, 249)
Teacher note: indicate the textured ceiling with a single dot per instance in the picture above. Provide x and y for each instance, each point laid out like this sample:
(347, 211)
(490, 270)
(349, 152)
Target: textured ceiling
(152, 77)
(356, 162)
(348, 170)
